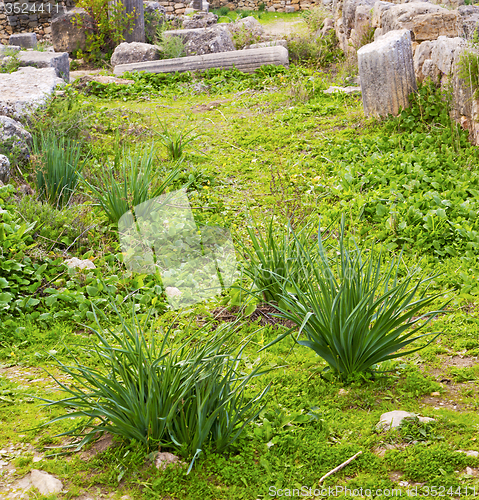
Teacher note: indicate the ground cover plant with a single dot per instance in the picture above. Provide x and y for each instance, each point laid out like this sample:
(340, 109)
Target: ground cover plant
(274, 149)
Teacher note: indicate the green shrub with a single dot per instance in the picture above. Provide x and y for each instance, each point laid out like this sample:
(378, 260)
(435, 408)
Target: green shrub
(183, 390)
(354, 314)
(58, 164)
(171, 47)
(314, 51)
(315, 17)
(12, 63)
(105, 26)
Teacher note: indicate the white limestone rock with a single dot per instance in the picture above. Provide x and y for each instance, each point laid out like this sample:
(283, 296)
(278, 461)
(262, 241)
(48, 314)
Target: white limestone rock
(133, 52)
(27, 89)
(80, 264)
(394, 419)
(386, 70)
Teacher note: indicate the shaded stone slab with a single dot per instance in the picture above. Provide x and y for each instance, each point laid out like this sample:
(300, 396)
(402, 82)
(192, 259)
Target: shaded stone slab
(58, 61)
(386, 71)
(25, 40)
(25, 90)
(244, 60)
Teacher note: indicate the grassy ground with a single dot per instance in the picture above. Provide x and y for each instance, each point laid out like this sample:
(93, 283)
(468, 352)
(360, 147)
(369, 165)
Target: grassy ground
(279, 147)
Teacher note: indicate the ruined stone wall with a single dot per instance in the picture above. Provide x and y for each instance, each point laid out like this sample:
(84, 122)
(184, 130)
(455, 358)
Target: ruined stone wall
(270, 5)
(28, 16)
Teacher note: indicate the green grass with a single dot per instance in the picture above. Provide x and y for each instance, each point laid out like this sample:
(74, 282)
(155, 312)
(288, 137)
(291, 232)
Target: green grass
(272, 152)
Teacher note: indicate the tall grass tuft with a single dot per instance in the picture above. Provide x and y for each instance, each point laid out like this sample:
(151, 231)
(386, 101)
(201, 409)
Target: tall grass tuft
(58, 164)
(176, 138)
(354, 311)
(128, 182)
(179, 390)
(273, 261)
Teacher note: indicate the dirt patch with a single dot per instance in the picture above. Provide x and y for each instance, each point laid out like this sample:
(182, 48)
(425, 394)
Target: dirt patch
(99, 446)
(210, 106)
(264, 314)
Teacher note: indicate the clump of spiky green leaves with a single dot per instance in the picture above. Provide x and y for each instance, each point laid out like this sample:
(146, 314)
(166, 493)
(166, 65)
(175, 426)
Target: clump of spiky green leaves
(58, 164)
(175, 138)
(353, 312)
(179, 390)
(118, 194)
(273, 261)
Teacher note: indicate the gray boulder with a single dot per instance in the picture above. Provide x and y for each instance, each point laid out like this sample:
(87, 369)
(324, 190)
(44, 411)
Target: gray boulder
(58, 61)
(202, 41)
(24, 40)
(200, 20)
(14, 137)
(66, 35)
(349, 12)
(469, 19)
(251, 25)
(7, 50)
(444, 52)
(4, 169)
(133, 52)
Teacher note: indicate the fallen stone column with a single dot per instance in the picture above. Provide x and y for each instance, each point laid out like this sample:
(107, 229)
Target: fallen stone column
(386, 71)
(244, 60)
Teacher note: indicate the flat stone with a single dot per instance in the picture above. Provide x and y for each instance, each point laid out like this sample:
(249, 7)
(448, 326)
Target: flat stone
(25, 90)
(386, 71)
(394, 419)
(243, 60)
(346, 90)
(200, 41)
(9, 49)
(58, 61)
(80, 264)
(25, 40)
(45, 483)
(163, 459)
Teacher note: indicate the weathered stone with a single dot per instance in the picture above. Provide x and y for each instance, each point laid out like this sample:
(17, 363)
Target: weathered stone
(444, 52)
(83, 81)
(469, 20)
(272, 43)
(429, 71)
(14, 137)
(4, 169)
(204, 40)
(25, 40)
(25, 90)
(328, 25)
(244, 60)
(425, 20)
(349, 12)
(127, 53)
(431, 26)
(422, 52)
(45, 483)
(394, 419)
(386, 71)
(378, 10)
(67, 36)
(200, 20)
(163, 459)
(56, 60)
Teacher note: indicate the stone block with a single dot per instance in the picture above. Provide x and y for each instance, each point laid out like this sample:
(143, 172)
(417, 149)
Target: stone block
(56, 60)
(24, 40)
(386, 70)
(66, 35)
(243, 60)
(204, 41)
(273, 43)
(431, 26)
